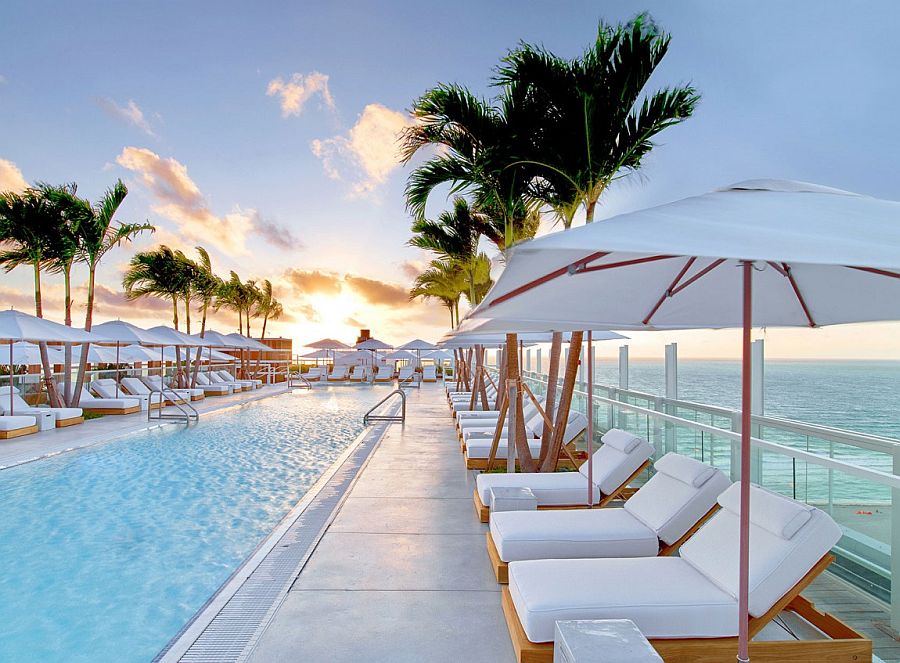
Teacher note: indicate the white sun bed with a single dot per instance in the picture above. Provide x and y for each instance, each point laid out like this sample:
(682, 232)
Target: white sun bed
(106, 388)
(155, 382)
(91, 403)
(477, 429)
(213, 378)
(478, 449)
(655, 520)
(228, 377)
(64, 416)
(473, 419)
(358, 374)
(384, 374)
(16, 425)
(429, 373)
(211, 389)
(621, 458)
(313, 374)
(338, 374)
(684, 598)
(406, 374)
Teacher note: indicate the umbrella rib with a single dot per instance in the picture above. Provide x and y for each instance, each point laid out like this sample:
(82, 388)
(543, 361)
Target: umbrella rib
(790, 277)
(873, 270)
(696, 277)
(545, 278)
(623, 263)
(668, 291)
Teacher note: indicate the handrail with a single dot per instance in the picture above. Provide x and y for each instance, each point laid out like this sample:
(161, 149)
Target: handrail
(409, 383)
(368, 417)
(304, 383)
(188, 411)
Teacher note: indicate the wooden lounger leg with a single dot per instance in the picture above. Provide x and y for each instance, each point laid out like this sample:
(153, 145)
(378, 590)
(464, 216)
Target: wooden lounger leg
(484, 513)
(501, 568)
(606, 499)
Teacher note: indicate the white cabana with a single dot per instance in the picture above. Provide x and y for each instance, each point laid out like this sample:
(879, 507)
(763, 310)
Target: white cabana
(773, 253)
(29, 354)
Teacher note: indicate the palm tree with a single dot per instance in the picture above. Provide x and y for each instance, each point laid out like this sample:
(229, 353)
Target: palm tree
(484, 154)
(267, 307)
(157, 273)
(205, 286)
(444, 281)
(251, 295)
(61, 256)
(98, 235)
(28, 231)
(596, 120)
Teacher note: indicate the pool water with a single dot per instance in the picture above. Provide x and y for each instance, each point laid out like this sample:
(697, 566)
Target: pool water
(108, 551)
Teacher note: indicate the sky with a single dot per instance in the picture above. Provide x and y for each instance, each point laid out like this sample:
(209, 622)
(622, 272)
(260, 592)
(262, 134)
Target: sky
(266, 132)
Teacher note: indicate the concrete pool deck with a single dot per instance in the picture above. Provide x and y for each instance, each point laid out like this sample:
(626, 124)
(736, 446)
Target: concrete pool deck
(402, 572)
(103, 429)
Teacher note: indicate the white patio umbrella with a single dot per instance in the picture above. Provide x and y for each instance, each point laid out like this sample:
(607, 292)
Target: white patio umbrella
(774, 253)
(373, 344)
(99, 354)
(212, 339)
(18, 326)
(122, 333)
(418, 345)
(29, 354)
(328, 344)
(137, 353)
(400, 355)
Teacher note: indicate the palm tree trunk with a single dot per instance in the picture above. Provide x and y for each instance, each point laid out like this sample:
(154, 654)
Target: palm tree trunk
(187, 314)
(88, 322)
(523, 452)
(52, 393)
(550, 404)
(67, 377)
(197, 358)
(565, 402)
(175, 312)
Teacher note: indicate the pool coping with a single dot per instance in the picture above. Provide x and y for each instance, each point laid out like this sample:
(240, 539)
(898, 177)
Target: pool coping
(180, 644)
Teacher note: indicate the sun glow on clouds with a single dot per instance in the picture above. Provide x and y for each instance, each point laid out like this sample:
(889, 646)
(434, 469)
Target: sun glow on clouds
(298, 89)
(368, 153)
(11, 178)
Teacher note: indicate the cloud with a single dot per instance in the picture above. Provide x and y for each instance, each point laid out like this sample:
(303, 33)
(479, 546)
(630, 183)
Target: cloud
(11, 178)
(412, 268)
(378, 292)
(313, 282)
(277, 234)
(298, 89)
(368, 153)
(130, 113)
(179, 199)
(354, 322)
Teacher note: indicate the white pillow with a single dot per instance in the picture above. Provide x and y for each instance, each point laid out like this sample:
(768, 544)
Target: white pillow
(621, 440)
(690, 471)
(775, 513)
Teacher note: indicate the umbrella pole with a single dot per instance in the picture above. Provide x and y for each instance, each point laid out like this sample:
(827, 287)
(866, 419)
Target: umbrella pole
(744, 546)
(117, 369)
(589, 432)
(11, 387)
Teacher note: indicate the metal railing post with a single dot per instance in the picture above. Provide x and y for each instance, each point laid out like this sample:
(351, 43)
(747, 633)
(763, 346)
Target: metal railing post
(895, 548)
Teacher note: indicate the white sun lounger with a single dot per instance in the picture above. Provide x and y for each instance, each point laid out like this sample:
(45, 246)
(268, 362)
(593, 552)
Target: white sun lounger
(228, 377)
(338, 374)
(313, 374)
(17, 425)
(655, 520)
(359, 374)
(688, 603)
(214, 389)
(106, 388)
(64, 416)
(91, 403)
(429, 373)
(406, 374)
(384, 374)
(621, 458)
(155, 382)
(475, 428)
(213, 378)
(478, 449)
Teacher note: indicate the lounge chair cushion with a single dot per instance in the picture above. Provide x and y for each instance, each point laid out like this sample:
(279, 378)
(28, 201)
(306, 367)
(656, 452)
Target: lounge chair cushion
(773, 512)
(776, 563)
(664, 596)
(612, 466)
(550, 488)
(690, 471)
(481, 448)
(621, 440)
(671, 506)
(11, 422)
(90, 402)
(570, 534)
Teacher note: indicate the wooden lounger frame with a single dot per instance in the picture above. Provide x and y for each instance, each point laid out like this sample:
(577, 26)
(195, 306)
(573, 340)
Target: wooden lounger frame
(18, 432)
(72, 421)
(844, 645)
(501, 568)
(112, 410)
(484, 512)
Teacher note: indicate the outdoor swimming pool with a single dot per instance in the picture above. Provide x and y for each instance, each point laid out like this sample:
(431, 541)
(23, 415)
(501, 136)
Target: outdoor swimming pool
(108, 551)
